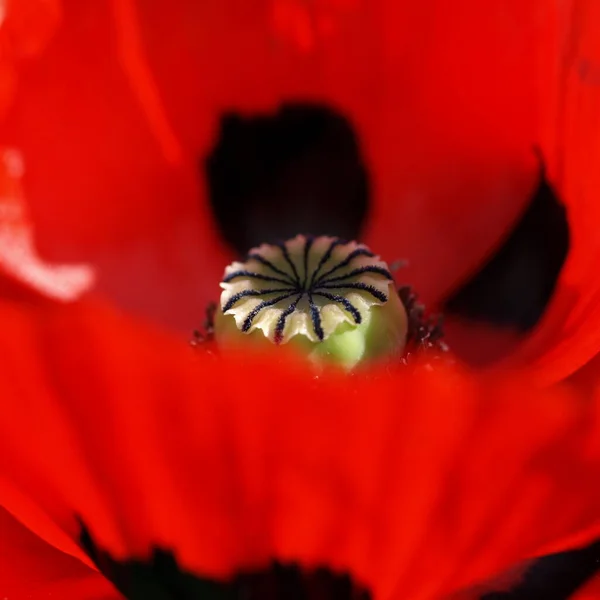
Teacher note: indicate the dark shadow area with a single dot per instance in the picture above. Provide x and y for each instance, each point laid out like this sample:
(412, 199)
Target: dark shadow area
(555, 577)
(160, 578)
(515, 286)
(298, 170)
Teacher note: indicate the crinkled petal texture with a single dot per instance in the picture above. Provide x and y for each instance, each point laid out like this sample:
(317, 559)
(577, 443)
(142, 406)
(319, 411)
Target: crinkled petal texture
(419, 482)
(447, 123)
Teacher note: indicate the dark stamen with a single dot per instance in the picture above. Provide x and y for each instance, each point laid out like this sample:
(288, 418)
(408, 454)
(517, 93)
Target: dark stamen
(345, 262)
(249, 293)
(315, 315)
(425, 332)
(364, 287)
(283, 317)
(265, 304)
(289, 261)
(307, 246)
(325, 258)
(253, 275)
(344, 302)
(267, 263)
(359, 271)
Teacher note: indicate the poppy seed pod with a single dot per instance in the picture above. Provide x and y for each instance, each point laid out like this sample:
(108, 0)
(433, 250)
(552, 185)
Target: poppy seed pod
(332, 299)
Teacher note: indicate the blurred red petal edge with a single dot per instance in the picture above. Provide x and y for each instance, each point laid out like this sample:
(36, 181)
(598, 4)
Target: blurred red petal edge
(591, 591)
(31, 569)
(232, 461)
(499, 584)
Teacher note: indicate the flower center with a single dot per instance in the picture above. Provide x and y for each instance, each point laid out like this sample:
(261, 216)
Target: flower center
(319, 291)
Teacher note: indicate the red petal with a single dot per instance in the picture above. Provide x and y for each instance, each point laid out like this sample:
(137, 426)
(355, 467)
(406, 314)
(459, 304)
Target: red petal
(447, 120)
(31, 569)
(18, 256)
(569, 335)
(25, 27)
(589, 592)
(419, 482)
(106, 180)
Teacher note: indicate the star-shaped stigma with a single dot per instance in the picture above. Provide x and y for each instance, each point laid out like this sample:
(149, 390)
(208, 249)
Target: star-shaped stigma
(306, 286)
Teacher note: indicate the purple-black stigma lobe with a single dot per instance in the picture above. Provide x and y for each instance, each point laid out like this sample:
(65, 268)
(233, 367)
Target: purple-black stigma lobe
(252, 275)
(367, 269)
(346, 262)
(283, 317)
(265, 304)
(307, 246)
(364, 287)
(344, 302)
(289, 261)
(334, 244)
(315, 315)
(269, 264)
(246, 293)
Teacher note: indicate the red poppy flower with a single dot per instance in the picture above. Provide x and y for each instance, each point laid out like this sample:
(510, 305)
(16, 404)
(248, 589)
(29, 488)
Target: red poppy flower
(129, 463)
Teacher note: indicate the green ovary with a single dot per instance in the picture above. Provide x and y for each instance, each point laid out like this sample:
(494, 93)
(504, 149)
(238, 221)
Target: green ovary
(381, 335)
